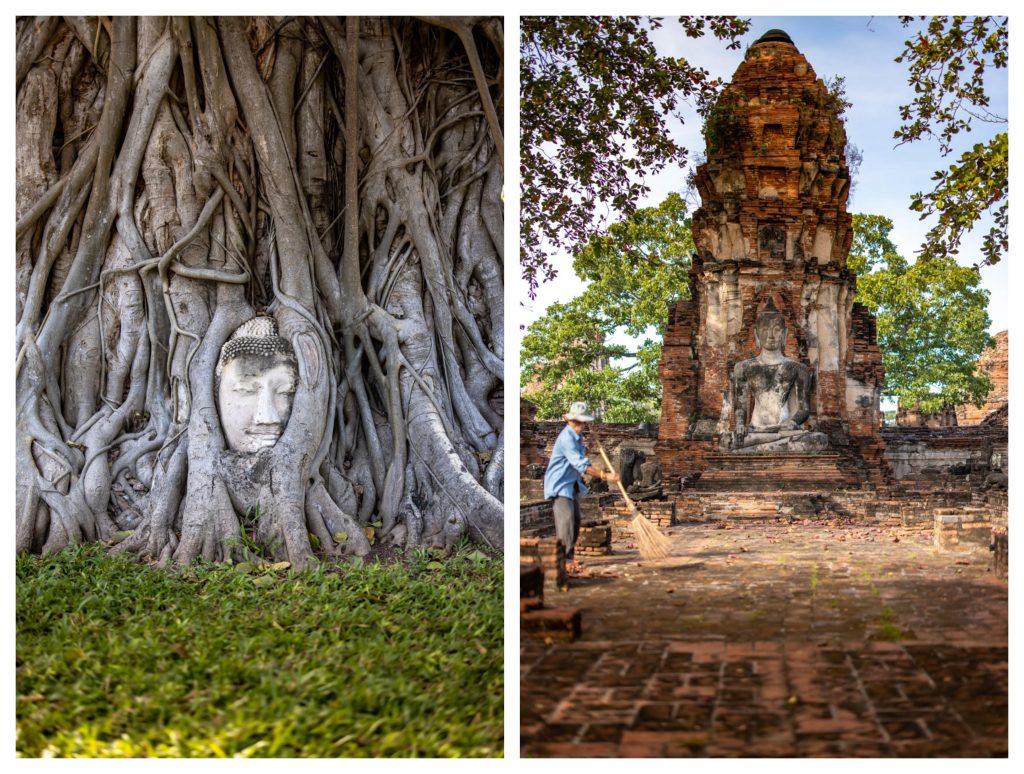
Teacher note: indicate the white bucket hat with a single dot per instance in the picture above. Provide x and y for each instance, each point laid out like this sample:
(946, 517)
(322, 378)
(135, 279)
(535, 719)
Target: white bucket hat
(579, 412)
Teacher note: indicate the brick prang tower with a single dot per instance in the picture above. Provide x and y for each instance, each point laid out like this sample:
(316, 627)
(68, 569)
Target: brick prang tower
(773, 226)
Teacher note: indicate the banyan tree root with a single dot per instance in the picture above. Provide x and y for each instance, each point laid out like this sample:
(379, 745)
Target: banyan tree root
(178, 177)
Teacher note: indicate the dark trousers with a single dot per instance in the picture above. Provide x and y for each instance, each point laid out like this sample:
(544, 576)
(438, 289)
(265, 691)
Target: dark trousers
(567, 523)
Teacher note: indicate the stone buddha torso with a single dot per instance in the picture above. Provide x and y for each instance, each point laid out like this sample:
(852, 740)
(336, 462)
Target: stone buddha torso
(771, 396)
(772, 385)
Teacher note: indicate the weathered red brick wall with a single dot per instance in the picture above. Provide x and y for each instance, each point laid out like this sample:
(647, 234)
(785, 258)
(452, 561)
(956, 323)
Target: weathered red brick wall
(866, 374)
(531, 445)
(994, 362)
(683, 458)
(678, 371)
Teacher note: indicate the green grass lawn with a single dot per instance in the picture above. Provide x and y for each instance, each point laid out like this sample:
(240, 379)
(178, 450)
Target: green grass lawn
(120, 659)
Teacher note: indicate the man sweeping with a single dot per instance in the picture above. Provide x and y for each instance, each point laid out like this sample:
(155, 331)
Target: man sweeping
(563, 479)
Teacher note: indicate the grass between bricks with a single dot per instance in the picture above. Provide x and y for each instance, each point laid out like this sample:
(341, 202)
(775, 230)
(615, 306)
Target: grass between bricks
(119, 659)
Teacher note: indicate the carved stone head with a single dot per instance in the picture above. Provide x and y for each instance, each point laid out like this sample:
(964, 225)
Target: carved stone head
(257, 376)
(770, 329)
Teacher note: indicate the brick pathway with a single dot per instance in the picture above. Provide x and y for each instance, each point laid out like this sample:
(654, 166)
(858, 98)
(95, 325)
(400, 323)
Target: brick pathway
(771, 639)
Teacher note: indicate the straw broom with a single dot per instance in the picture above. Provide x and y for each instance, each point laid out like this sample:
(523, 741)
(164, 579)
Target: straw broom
(652, 544)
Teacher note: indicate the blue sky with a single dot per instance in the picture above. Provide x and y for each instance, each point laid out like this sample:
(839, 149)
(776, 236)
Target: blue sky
(862, 50)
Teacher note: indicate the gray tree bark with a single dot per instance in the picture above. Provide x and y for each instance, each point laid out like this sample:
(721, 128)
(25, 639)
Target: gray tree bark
(176, 176)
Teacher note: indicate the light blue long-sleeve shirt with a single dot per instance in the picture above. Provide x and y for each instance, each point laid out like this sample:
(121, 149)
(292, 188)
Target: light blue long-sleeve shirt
(564, 476)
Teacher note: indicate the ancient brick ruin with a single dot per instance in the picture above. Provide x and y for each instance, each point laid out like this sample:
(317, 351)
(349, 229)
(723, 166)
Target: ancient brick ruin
(772, 238)
(772, 230)
(804, 532)
(994, 361)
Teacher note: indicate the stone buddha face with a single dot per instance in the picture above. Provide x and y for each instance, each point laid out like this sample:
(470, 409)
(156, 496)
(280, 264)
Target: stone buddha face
(770, 332)
(257, 379)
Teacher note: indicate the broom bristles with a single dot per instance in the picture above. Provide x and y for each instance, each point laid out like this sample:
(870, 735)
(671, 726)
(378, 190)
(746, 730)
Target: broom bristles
(652, 544)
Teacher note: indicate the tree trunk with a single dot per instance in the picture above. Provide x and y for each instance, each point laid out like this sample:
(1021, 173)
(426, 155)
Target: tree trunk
(176, 177)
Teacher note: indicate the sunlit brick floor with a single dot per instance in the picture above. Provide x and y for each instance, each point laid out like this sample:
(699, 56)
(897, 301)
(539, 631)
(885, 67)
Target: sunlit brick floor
(776, 639)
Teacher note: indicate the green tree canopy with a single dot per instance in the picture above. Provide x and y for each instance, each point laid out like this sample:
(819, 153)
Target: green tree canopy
(635, 271)
(595, 101)
(948, 61)
(932, 318)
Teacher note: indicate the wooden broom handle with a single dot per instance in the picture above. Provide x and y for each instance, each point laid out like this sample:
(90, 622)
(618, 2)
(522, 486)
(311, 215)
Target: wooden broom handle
(608, 462)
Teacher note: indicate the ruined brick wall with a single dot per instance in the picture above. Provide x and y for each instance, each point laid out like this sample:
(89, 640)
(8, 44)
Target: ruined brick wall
(536, 518)
(678, 371)
(531, 445)
(865, 376)
(921, 454)
(998, 418)
(912, 416)
(994, 362)
(683, 458)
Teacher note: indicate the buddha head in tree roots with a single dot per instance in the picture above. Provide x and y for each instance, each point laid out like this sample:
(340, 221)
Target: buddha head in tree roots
(257, 376)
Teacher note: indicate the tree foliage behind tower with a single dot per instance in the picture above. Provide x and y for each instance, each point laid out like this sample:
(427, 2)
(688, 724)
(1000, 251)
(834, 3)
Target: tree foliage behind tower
(932, 319)
(634, 272)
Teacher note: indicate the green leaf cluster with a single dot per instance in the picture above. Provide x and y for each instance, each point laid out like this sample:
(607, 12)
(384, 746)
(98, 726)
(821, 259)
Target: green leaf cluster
(948, 61)
(976, 184)
(635, 271)
(595, 101)
(932, 319)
